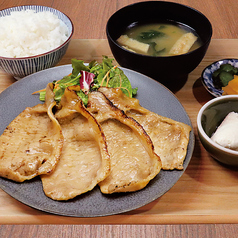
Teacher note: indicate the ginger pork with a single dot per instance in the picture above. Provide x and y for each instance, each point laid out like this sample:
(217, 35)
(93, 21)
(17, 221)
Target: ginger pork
(32, 142)
(170, 137)
(133, 161)
(84, 161)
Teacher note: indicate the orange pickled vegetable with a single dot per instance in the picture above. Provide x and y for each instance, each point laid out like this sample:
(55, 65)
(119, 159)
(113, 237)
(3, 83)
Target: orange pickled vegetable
(234, 83)
(232, 87)
(228, 91)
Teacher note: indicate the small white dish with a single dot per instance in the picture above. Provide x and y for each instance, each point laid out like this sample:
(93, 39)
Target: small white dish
(209, 118)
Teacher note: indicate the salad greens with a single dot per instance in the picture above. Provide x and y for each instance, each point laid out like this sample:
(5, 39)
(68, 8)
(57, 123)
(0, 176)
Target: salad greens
(89, 77)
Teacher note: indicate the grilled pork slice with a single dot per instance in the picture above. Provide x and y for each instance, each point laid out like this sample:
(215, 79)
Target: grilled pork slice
(133, 161)
(84, 161)
(170, 137)
(32, 142)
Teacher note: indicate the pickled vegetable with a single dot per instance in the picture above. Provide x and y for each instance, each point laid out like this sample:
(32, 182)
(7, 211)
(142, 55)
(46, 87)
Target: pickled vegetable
(232, 87)
(222, 76)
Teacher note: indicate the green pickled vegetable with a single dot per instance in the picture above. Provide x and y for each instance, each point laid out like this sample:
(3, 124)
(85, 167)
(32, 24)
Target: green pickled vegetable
(228, 68)
(225, 77)
(222, 76)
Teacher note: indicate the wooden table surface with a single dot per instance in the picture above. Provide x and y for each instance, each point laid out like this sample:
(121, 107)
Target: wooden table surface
(203, 203)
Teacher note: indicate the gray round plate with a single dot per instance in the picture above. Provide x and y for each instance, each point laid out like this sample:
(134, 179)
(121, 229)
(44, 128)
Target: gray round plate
(152, 95)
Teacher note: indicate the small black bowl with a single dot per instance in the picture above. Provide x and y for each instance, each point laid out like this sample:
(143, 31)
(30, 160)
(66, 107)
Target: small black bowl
(172, 71)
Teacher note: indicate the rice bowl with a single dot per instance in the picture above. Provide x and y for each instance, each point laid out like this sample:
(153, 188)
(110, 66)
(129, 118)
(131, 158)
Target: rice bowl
(38, 54)
(37, 33)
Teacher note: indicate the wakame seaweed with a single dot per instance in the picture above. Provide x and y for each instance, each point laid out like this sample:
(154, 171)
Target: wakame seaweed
(148, 35)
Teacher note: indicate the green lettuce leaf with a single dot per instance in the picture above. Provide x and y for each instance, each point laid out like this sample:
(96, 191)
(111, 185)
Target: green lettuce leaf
(106, 74)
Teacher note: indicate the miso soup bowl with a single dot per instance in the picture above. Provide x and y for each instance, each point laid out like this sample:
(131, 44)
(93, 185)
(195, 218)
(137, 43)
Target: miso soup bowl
(172, 71)
(209, 118)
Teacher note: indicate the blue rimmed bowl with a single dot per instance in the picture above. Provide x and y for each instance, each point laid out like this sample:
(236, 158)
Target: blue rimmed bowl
(207, 80)
(23, 66)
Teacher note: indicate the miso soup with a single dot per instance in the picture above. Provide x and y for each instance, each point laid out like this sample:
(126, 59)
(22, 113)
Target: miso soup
(162, 39)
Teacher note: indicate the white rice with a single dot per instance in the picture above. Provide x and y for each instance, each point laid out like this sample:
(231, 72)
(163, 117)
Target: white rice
(27, 33)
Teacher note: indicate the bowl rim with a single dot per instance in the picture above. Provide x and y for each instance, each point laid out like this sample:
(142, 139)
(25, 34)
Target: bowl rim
(167, 2)
(201, 130)
(45, 53)
(218, 61)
